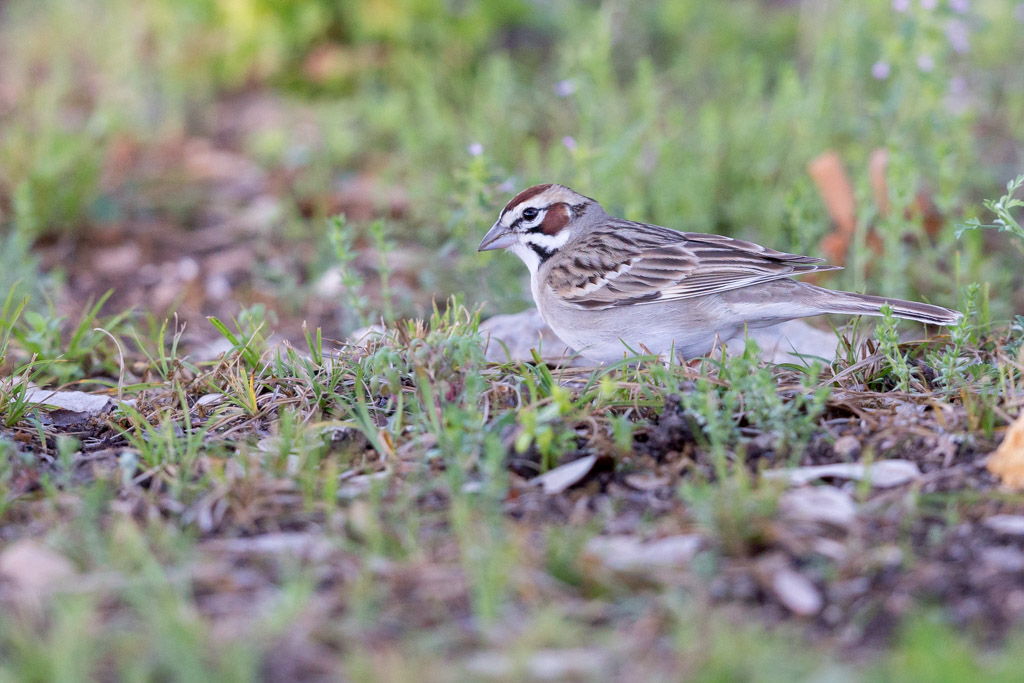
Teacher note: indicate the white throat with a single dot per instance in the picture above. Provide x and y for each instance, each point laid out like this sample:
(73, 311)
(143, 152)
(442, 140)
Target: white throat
(529, 256)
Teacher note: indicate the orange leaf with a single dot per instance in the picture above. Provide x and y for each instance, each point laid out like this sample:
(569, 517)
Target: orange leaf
(836, 190)
(876, 171)
(1007, 462)
(931, 217)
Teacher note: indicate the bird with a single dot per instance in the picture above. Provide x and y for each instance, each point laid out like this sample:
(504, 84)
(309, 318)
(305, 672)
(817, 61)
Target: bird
(609, 287)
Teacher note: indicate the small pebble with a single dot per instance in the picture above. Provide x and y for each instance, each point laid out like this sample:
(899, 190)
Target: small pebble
(847, 447)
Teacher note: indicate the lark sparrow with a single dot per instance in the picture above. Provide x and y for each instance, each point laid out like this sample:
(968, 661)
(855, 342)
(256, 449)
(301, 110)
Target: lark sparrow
(606, 285)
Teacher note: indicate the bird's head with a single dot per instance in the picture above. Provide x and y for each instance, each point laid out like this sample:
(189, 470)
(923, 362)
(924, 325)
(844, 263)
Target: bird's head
(539, 221)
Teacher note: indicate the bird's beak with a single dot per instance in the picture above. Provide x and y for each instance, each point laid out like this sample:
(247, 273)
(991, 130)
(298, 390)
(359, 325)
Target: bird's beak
(498, 237)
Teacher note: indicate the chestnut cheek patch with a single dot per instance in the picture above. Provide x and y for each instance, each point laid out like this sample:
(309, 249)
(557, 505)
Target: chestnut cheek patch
(557, 218)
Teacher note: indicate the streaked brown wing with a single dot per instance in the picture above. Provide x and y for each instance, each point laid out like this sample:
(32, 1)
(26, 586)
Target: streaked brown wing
(627, 263)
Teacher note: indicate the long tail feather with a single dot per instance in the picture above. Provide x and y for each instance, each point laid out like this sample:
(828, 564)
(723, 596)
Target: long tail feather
(865, 304)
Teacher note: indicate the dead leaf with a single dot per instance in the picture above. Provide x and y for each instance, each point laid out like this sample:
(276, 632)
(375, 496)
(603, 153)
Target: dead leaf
(932, 219)
(821, 504)
(309, 547)
(881, 474)
(73, 401)
(325, 63)
(796, 592)
(1007, 462)
(629, 554)
(1007, 525)
(541, 665)
(646, 481)
(877, 164)
(206, 163)
(836, 190)
(68, 408)
(118, 260)
(209, 399)
(847, 447)
(1003, 559)
(564, 476)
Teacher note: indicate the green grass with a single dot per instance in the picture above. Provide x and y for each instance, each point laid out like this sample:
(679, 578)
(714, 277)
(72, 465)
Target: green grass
(680, 125)
(292, 510)
(397, 460)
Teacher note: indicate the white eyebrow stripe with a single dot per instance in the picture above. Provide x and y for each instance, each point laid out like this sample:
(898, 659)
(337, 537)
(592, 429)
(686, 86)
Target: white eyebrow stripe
(555, 194)
(517, 214)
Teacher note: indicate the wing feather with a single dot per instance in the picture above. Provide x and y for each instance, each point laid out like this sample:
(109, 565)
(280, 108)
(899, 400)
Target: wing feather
(624, 263)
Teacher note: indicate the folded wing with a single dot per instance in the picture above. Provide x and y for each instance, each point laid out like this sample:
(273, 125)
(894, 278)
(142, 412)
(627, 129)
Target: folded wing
(625, 263)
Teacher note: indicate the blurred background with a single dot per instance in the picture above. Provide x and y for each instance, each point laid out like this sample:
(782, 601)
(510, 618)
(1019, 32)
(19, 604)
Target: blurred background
(193, 155)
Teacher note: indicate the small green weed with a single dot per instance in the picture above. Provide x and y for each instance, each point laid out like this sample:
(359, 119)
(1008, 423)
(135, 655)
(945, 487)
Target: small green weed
(888, 338)
(249, 339)
(1003, 208)
(737, 511)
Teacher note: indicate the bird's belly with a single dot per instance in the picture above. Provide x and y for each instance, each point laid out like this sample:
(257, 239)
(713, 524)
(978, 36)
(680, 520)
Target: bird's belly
(607, 336)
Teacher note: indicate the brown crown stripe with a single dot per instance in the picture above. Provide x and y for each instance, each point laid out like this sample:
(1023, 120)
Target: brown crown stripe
(524, 195)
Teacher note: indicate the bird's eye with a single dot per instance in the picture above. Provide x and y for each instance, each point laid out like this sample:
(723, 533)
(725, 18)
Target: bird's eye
(530, 213)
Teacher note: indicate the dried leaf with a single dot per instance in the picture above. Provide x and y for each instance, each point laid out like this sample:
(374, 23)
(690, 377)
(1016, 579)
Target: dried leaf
(1003, 559)
(882, 474)
(1007, 525)
(847, 447)
(309, 547)
(646, 481)
(876, 172)
(68, 408)
(72, 401)
(562, 477)
(1007, 462)
(836, 190)
(541, 665)
(629, 554)
(821, 504)
(931, 217)
(796, 592)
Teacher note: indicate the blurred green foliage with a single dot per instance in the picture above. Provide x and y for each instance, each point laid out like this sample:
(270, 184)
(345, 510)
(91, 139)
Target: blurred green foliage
(697, 115)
